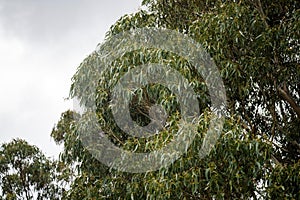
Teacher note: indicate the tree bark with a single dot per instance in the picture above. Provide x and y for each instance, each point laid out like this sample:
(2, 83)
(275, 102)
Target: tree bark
(283, 91)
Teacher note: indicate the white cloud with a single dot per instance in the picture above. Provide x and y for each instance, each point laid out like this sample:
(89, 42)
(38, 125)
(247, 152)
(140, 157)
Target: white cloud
(41, 44)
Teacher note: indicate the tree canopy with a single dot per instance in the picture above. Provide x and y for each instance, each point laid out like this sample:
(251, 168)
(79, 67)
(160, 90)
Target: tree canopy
(255, 45)
(25, 173)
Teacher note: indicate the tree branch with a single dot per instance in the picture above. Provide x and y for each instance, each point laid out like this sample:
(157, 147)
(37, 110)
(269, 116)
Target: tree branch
(283, 91)
(260, 10)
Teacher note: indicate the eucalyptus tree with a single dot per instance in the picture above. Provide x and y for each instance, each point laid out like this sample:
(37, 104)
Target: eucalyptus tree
(255, 46)
(25, 173)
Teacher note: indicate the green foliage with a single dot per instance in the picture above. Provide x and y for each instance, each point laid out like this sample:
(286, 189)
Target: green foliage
(25, 173)
(255, 45)
(284, 181)
(225, 173)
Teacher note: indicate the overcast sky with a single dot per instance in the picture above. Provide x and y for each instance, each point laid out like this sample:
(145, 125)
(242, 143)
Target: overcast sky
(41, 44)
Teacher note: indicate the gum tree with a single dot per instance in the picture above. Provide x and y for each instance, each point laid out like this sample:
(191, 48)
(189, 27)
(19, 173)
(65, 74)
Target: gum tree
(25, 173)
(255, 45)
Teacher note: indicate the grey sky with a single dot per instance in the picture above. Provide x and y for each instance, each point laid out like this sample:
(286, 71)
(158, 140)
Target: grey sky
(41, 44)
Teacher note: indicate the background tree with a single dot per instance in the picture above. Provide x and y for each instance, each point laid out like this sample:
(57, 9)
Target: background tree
(255, 45)
(25, 173)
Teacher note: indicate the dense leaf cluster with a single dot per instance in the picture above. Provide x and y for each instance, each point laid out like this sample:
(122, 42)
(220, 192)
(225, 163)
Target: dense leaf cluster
(255, 45)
